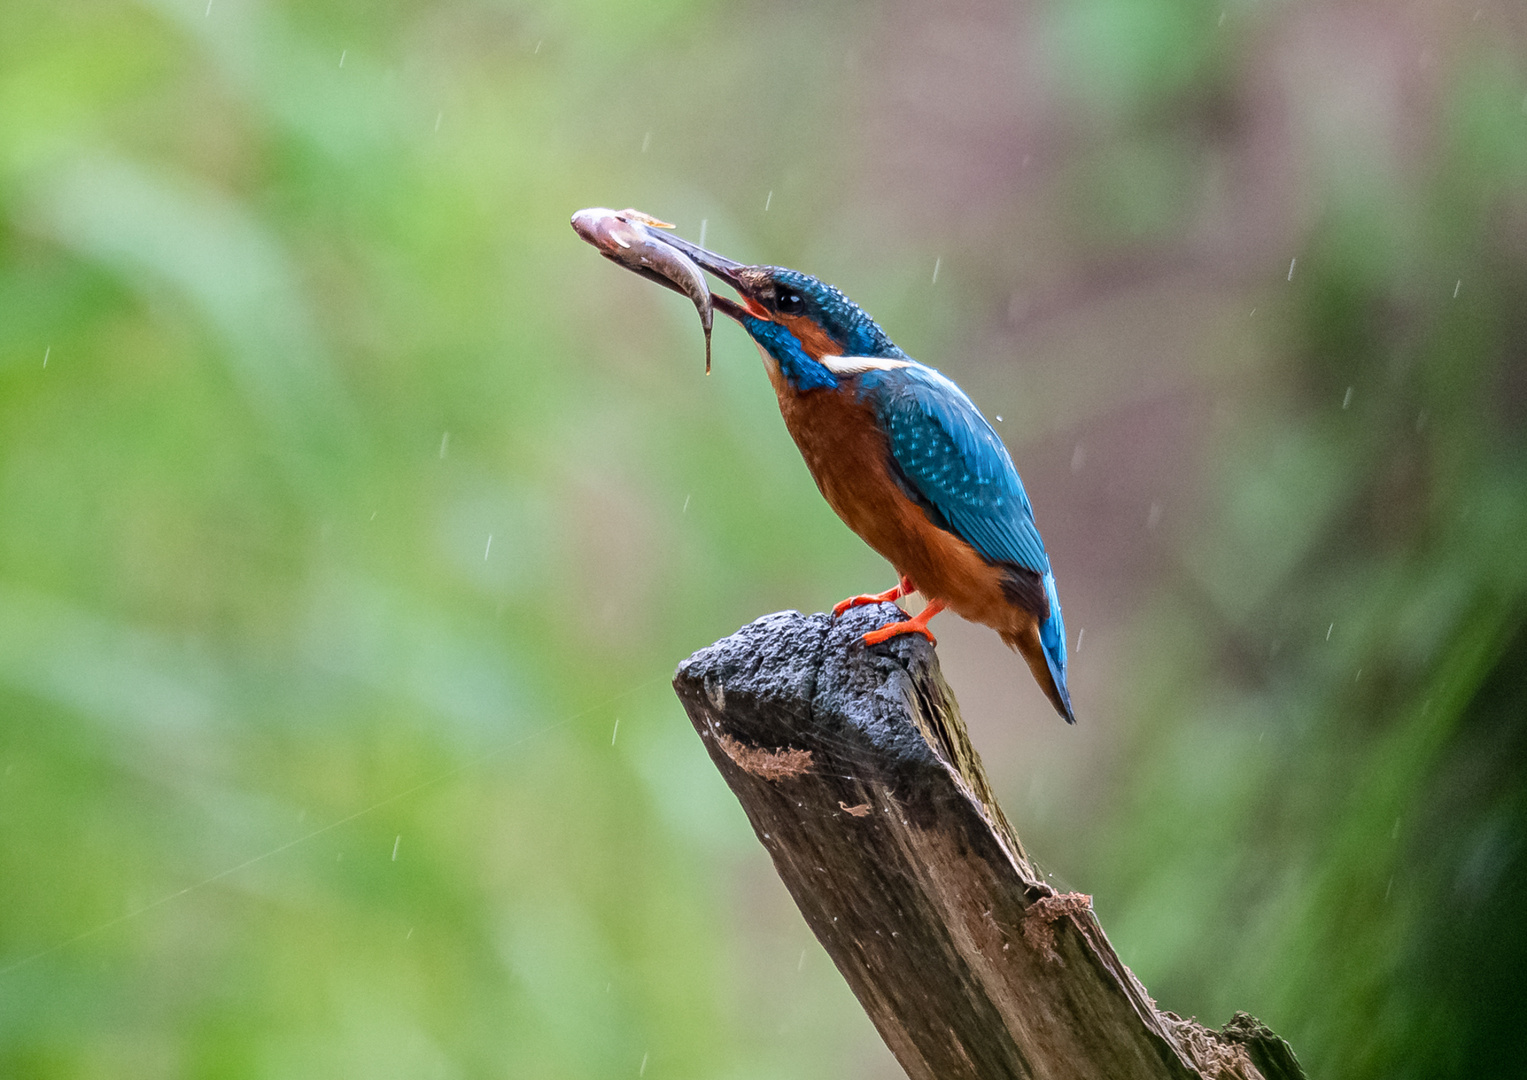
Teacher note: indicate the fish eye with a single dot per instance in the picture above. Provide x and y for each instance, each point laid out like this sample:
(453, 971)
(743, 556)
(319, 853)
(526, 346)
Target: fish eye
(788, 303)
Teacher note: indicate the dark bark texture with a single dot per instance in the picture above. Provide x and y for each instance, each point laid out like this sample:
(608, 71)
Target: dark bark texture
(854, 767)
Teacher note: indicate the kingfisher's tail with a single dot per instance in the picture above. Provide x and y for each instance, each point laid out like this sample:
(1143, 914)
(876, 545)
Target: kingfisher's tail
(1044, 648)
(1052, 636)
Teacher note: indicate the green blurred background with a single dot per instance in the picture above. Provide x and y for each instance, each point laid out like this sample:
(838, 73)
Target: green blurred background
(354, 515)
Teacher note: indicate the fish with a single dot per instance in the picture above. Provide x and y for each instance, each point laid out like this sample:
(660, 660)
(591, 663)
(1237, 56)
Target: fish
(626, 237)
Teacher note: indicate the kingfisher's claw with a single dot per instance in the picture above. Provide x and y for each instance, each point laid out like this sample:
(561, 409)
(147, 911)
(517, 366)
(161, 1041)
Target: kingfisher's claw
(868, 598)
(890, 630)
(904, 587)
(917, 624)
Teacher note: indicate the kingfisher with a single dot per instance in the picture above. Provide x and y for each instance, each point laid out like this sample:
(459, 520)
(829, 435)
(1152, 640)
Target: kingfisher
(900, 453)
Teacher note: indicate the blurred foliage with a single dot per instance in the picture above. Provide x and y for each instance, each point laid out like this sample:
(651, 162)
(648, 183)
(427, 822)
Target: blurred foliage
(328, 565)
(1335, 694)
(353, 515)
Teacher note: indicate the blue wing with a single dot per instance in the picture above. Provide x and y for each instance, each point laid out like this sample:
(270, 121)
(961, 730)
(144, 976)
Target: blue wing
(951, 457)
(958, 469)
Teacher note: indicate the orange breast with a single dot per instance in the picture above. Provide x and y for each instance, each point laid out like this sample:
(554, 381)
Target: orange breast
(849, 457)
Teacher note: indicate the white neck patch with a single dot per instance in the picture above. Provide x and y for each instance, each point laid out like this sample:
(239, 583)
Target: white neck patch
(857, 365)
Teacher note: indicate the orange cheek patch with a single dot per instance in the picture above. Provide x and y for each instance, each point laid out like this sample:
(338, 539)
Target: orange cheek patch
(813, 338)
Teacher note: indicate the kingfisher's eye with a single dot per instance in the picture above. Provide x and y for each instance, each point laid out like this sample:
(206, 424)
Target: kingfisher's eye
(788, 303)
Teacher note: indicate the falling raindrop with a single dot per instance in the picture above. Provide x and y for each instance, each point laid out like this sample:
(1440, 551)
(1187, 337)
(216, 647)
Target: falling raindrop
(1291, 263)
(488, 548)
(445, 443)
(646, 141)
(769, 199)
(615, 732)
(395, 844)
(936, 263)
(342, 54)
(1346, 398)
(703, 222)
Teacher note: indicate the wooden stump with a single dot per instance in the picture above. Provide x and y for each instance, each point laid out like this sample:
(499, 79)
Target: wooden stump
(854, 767)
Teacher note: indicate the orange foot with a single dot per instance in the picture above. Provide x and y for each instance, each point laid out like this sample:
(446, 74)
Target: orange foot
(902, 588)
(917, 624)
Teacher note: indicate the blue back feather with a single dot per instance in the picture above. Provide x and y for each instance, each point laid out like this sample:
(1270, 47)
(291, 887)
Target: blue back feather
(950, 454)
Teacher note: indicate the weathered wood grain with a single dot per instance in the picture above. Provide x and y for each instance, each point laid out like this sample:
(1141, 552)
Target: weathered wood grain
(853, 765)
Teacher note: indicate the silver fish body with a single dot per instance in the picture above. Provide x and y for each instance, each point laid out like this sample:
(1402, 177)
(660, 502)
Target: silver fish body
(627, 237)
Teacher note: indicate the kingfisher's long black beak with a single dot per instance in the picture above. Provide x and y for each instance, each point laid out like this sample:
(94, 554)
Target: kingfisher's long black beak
(718, 265)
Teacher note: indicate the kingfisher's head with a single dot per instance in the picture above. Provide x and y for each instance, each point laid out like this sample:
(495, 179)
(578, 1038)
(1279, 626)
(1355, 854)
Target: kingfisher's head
(798, 320)
(819, 316)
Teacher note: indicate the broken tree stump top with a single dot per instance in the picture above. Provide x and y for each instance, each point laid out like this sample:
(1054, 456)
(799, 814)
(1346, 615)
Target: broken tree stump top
(854, 768)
